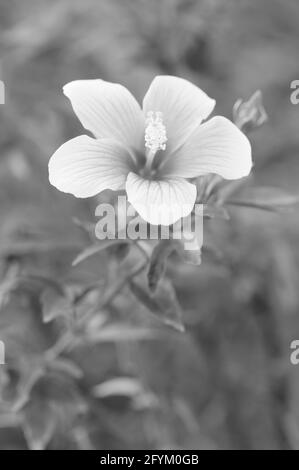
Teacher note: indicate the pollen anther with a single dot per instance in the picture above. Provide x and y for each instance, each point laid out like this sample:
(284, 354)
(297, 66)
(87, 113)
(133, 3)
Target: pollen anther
(155, 132)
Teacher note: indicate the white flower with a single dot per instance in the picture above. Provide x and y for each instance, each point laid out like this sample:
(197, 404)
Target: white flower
(149, 152)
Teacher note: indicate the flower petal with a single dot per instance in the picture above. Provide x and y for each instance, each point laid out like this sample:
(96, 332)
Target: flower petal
(216, 146)
(183, 105)
(107, 110)
(84, 166)
(160, 202)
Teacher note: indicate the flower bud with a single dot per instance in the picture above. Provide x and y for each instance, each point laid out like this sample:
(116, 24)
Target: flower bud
(250, 114)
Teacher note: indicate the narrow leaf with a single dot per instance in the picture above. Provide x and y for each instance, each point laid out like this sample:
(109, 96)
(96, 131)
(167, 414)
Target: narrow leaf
(265, 198)
(55, 305)
(120, 386)
(213, 211)
(158, 262)
(38, 424)
(97, 248)
(163, 303)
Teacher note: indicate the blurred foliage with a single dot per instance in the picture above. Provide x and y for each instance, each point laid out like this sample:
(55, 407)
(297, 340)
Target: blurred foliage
(89, 364)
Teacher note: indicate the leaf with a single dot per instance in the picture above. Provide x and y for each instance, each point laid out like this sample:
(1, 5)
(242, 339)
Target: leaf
(88, 227)
(7, 287)
(120, 333)
(29, 379)
(229, 188)
(97, 248)
(28, 248)
(39, 423)
(284, 277)
(163, 303)
(11, 282)
(213, 211)
(120, 386)
(67, 366)
(55, 305)
(158, 262)
(265, 198)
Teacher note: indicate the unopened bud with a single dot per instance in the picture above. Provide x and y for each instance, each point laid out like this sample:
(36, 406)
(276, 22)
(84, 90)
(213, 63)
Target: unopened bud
(250, 114)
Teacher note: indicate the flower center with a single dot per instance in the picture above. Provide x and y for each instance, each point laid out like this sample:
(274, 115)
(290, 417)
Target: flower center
(155, 132)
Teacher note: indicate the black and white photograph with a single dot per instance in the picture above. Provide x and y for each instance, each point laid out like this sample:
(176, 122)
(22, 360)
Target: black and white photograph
(149, 233)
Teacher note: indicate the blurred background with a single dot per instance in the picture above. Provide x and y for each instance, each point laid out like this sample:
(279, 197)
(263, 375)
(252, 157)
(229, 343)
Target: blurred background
(130, 382)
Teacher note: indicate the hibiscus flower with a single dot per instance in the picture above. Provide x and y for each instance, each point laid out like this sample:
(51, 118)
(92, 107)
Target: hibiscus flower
(154, 152)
